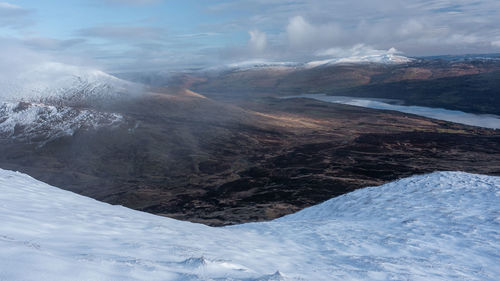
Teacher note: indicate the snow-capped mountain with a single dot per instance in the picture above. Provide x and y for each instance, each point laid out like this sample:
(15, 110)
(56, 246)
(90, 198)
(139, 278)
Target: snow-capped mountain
(378, 58)
(41, 123)
(52, 80)
(53, 99)
(257, 64)
(441, 226)
(387, 58)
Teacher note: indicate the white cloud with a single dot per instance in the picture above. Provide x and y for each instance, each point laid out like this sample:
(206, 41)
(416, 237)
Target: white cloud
(462, 39)
(126, 33)
(14, 16)
(411, 28)
(51, 43)
(295, 30)
(27, 73)
(19, 56)
(418, 27)
(135, 1)
(302, 34)
(299, 31)
(5, 5)
(258, 40)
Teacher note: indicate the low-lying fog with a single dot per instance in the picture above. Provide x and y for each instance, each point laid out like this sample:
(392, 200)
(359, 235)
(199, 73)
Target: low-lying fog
(479, 120)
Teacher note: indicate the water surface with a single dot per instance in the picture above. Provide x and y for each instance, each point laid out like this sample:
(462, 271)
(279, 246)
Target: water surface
(480, 120)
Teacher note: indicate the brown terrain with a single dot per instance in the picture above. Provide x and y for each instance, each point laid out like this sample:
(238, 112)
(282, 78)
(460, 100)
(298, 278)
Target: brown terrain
(220, 160)
(328, 78)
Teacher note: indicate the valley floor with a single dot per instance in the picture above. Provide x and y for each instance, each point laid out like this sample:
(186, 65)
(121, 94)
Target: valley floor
(223, 161)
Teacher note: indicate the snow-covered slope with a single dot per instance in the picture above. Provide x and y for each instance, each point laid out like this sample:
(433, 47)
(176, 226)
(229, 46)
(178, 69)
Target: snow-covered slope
(252, 65)
(51, 80)
(359, 59)
(41, 123)
(379, 59)
(53, 99)
(442, 226)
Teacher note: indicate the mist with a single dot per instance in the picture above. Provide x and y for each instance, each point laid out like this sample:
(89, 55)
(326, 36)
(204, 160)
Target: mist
(26, 74)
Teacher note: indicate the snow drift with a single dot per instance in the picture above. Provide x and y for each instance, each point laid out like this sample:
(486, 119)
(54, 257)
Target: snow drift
(442, 226)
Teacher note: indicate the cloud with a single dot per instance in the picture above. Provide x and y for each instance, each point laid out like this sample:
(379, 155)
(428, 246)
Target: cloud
(27, 73)
(14, 58)
(15, 61)
(125, 33)
(258, 40)
(5, 5)
(21, 55)
(14, 16)
(301, 33)
(137, 2)
(418, 27)
(51, 43)
(410, 28)
(303, 30)
(221, 32)
(198, 35)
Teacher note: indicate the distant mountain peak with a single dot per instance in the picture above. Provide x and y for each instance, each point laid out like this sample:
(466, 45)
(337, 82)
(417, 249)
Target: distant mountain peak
(378, 59)
(52, 80)
(52, 99)
(387, 58)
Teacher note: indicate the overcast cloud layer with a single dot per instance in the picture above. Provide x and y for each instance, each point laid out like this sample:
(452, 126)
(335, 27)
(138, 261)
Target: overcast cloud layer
(128, 35)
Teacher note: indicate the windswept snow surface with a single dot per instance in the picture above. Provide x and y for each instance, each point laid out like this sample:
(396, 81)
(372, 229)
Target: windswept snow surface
(441, 226)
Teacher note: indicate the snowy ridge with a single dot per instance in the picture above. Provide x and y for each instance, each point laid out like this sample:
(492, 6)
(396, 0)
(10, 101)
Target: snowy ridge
(441, 226)
(253, 64)
(379, 59)
(259, 64)
(52, 100)
(386, 58)
(65, 82)
(36, 122)
(445, 191)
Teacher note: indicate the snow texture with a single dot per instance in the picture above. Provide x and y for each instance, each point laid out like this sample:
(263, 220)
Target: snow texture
(53, 100)
(52, 80)
(378, 59)
(387, 59)
(441, 226)
(41, 123)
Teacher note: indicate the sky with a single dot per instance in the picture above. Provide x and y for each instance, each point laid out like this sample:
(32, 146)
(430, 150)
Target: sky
(140, 35)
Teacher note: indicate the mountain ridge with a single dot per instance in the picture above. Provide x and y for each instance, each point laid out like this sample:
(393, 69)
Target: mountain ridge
(440, 226)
